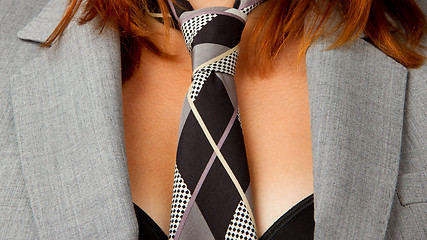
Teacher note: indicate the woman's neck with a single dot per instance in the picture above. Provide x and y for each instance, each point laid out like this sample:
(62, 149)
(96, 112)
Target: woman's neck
(211, 3)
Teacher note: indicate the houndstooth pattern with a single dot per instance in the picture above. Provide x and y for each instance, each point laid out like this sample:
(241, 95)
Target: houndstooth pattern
(192, 26)
(180, 198)
(241, 226)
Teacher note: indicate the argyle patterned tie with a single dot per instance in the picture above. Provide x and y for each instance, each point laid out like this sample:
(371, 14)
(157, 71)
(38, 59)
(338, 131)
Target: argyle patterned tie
(211, 192)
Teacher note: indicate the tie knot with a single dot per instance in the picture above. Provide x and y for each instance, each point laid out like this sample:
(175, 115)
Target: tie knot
(212, 35)
(216, 25)
(220, 25)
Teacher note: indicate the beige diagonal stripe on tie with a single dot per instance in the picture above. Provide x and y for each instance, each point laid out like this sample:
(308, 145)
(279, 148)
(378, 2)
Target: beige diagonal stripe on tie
(220, 156)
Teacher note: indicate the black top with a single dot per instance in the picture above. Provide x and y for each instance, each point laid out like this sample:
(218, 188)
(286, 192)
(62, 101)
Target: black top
(297, 223)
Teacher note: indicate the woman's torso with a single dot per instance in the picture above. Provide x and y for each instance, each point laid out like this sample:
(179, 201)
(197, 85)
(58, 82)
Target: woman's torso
(274, 111)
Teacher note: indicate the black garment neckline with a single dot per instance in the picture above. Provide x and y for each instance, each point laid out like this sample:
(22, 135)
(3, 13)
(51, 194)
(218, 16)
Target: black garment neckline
(287, 217)
(271, 232)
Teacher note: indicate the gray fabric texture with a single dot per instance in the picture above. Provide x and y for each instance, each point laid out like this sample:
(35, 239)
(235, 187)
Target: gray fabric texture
(62, 157)
(205, 52)
(197, 228)
(63, 134)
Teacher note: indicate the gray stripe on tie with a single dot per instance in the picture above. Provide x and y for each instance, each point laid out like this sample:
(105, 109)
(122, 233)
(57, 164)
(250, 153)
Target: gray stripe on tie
(248, 194)
(204, 52)
(230, 86)
(184, 114)
(196, 226)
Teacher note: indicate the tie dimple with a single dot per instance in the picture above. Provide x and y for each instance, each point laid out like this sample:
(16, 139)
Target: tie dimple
(211, 192)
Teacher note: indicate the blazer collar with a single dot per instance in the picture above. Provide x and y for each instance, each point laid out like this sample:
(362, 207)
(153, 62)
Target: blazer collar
(68, 117)
(357, 96)
(40, 28)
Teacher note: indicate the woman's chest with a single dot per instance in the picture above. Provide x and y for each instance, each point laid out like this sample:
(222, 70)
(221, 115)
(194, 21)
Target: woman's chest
(274, 113)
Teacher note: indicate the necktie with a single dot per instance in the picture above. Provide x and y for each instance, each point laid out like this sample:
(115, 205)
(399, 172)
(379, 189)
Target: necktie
(211, 191)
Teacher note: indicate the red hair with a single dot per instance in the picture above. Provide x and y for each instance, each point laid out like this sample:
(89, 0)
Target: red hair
(396, 27)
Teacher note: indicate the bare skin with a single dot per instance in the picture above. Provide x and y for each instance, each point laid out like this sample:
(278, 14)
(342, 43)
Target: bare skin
(274, 111)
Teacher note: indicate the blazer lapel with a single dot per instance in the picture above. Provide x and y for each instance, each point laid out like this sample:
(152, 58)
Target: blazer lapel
(68, 117)
(356, 102)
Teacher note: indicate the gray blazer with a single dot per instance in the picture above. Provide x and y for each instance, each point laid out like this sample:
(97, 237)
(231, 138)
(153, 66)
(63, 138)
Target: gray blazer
(62, 155)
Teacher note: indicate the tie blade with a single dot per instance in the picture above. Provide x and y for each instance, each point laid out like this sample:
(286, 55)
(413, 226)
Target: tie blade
(213, 184)
(217, 111)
